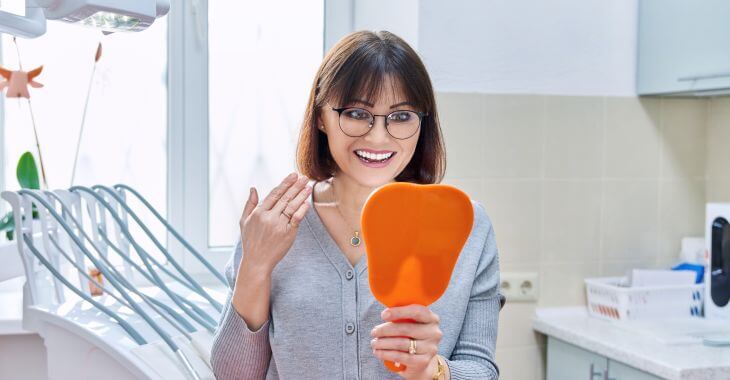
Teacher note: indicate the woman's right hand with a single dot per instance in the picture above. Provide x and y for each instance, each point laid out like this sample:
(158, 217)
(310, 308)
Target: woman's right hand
(268, 229)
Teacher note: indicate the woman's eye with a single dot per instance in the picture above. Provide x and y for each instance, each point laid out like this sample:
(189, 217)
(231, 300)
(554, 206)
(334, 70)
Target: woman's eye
(356, 114)
(402, 116)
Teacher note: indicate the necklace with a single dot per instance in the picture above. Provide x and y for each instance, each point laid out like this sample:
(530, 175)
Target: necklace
(355, 238)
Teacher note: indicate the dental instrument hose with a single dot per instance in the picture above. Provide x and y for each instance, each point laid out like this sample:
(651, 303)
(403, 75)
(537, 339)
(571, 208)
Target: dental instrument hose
(143, 255)
(150, 322)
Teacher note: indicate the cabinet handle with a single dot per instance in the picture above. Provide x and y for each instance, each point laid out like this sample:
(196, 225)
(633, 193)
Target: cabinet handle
(605, 375)
(706, 76)
(594, 373)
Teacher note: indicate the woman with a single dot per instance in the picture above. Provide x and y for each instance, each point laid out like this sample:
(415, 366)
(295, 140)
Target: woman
(300, 305)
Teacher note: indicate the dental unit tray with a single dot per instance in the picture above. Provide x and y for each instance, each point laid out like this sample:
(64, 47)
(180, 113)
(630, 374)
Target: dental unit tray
(152, 320)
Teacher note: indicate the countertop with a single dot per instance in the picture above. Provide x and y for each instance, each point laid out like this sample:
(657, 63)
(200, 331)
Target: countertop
(624, 342)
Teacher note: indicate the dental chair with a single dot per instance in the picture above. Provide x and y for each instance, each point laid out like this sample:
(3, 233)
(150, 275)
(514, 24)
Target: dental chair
(104, 302)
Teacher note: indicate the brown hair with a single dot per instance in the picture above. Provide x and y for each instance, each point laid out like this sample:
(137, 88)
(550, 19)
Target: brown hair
(357, 67)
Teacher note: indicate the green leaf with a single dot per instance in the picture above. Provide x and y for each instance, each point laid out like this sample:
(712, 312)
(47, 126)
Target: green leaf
(7, 221)
(27, 172)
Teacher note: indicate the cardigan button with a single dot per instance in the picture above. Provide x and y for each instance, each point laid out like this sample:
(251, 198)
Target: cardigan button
(349, 274)
(350, 328)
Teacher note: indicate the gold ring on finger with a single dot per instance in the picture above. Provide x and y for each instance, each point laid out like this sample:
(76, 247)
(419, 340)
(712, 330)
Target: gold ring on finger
(285, 214)
(412, 347)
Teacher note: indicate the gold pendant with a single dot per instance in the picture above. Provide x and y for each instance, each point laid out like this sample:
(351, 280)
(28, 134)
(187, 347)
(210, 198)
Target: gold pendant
(355, 240)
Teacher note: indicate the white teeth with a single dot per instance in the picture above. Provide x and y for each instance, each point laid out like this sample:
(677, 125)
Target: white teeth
(373, 156)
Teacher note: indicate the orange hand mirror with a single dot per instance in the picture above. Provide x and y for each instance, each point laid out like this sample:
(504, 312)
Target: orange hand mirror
(413, 236)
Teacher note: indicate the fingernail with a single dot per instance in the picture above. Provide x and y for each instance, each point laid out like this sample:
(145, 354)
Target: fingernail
(250, 191)
(386, 314)
(292, 175)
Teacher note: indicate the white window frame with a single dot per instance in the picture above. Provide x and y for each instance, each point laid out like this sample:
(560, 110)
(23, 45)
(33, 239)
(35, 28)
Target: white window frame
(187, 132)
(187, 129)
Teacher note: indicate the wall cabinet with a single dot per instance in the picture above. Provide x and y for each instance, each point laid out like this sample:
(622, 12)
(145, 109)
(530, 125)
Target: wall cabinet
(683, 47)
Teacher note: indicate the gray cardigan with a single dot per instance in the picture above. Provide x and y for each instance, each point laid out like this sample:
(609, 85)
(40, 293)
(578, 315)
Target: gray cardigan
(322, 312)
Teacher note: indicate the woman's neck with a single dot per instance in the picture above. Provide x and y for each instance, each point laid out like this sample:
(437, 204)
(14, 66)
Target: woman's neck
(349, 195)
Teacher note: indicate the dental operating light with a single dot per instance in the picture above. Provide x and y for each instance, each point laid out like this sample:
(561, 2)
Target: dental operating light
(107, 15)
(29, 24)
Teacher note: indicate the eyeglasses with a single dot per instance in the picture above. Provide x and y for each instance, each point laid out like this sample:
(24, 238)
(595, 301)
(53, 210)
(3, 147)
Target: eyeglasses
(402, 124)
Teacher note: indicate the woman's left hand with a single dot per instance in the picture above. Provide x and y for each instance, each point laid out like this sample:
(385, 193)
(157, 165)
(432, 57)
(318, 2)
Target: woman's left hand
(388, 342)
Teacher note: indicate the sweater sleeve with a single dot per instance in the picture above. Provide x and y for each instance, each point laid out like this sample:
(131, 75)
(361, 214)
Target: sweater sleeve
(473, 355)
(238, 352)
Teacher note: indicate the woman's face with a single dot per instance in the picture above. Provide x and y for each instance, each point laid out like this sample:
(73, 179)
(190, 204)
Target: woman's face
(348, 151)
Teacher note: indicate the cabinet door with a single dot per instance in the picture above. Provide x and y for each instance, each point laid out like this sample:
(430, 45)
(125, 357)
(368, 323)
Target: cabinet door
(566, 361)
(620, 371)
(683, 46)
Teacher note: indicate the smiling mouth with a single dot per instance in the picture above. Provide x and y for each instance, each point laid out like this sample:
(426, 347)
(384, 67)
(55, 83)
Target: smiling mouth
(374, 157)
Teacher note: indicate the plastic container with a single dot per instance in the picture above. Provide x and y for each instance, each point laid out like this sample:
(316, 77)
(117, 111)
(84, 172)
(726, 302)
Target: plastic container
(609, 300)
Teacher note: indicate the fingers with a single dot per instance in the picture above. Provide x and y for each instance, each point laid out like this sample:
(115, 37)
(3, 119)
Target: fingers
(297, 201)
(418, 313)
(413, 330)
(411, 361)
(403, 344)
(253, 200)
(290, 193)
(278, 191)
(298, 215)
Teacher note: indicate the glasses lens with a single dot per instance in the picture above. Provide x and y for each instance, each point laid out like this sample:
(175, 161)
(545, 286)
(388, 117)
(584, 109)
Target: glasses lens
(355, 121)
(403, 124)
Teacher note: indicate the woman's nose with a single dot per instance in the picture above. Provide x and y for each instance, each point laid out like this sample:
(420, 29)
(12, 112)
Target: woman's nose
(378, 130)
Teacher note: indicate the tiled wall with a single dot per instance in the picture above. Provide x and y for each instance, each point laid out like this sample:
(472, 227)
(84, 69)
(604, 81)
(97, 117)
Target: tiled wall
(583, 186)
(718, 151)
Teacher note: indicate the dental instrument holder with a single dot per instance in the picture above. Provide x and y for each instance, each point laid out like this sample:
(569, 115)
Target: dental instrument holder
(413, 236)
(147, 260)
(40, 287)
(115, 282)
(44, 288)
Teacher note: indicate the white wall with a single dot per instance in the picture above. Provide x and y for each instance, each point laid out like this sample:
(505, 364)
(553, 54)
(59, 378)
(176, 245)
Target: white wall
(561, 47)
(399, 17)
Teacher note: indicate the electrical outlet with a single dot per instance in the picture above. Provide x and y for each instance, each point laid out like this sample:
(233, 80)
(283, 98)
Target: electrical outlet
(520, 287)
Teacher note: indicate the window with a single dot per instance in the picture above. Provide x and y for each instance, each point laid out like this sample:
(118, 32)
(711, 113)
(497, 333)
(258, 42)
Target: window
(261, 63)
(239, 75)
(125, 133)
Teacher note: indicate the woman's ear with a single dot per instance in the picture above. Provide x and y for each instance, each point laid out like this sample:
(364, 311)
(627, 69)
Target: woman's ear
(320, 125)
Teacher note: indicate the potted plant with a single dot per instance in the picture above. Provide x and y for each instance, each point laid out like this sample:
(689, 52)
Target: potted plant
(27, 175)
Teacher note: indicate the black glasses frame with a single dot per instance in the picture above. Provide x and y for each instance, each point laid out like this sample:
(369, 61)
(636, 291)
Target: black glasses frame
(421, 115)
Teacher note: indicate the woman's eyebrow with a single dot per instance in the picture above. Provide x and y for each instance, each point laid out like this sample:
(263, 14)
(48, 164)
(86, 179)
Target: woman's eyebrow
(406, 103)
(401, 104)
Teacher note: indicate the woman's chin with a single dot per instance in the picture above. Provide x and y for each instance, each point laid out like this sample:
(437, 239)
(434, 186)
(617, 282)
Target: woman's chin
(374, 180)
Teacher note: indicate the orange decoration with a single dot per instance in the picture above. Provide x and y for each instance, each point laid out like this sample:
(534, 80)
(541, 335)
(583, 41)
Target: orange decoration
(97, 276)
(17, 82)
(97, 56)
(413, 236)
